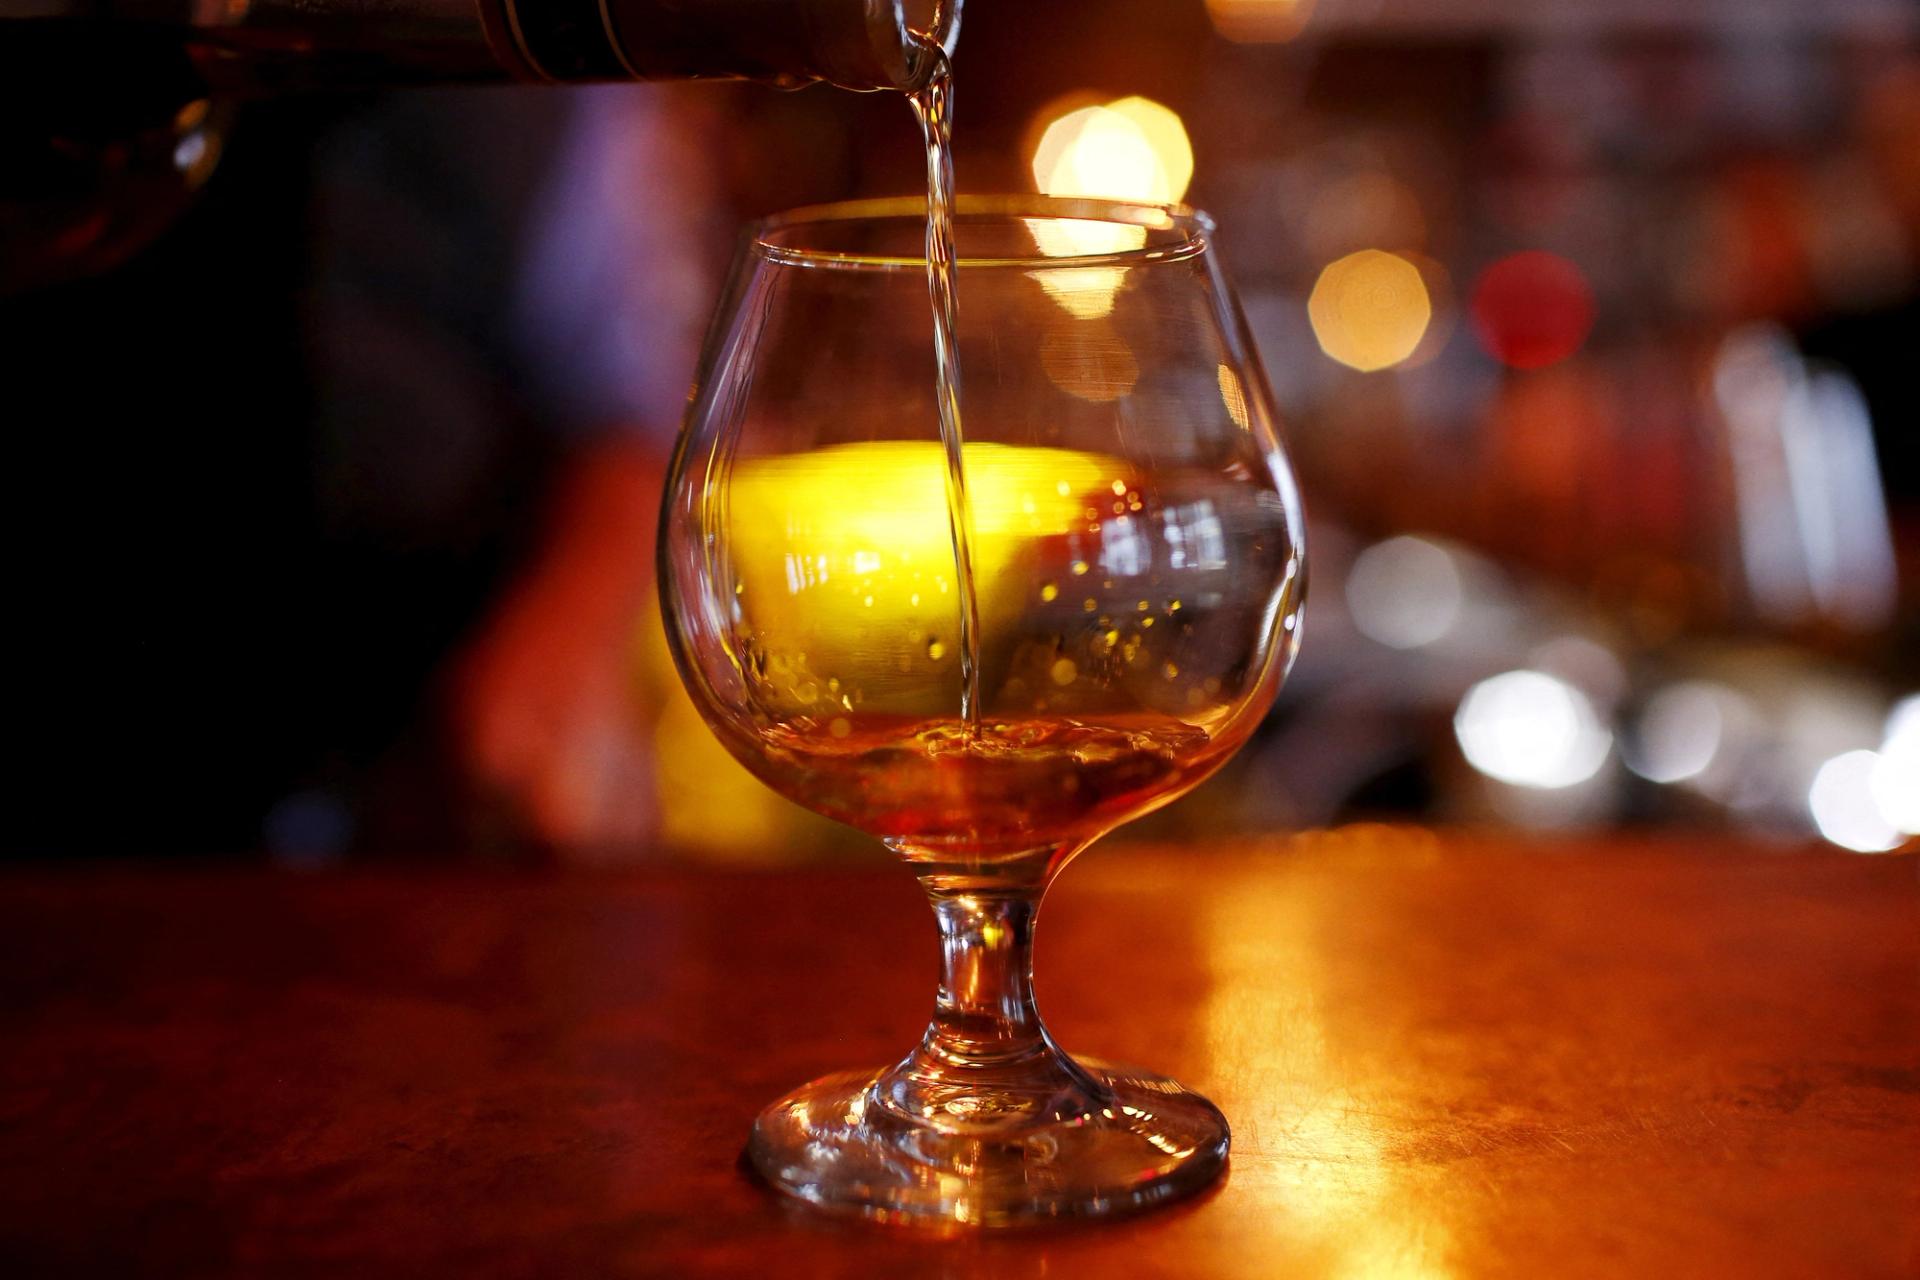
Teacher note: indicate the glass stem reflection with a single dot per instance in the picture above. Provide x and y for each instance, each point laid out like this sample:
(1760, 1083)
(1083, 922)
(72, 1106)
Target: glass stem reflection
(987, 1059)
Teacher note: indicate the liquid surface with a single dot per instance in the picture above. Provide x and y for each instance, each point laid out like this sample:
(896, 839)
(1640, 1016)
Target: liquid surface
(945, 787)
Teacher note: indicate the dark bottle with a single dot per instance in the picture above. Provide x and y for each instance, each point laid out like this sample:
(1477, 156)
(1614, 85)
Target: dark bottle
(110, 110)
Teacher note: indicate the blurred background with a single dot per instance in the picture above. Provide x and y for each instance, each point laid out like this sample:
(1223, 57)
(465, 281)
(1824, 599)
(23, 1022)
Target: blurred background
(1590, 323)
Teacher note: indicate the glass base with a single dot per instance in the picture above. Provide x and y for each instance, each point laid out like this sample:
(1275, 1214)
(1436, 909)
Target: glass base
(1118, 1141)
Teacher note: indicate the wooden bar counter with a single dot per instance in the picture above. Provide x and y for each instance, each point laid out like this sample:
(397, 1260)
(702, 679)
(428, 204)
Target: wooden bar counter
(1442, 1056)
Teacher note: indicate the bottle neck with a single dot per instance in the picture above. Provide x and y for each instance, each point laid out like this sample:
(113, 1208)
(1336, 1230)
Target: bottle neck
(269, 45)
(855, 44)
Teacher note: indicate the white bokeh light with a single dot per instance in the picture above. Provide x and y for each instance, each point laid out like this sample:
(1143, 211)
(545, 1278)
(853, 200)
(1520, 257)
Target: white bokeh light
(1684, 729)
(1844, 807)
(1532, 730)
(1405, 592)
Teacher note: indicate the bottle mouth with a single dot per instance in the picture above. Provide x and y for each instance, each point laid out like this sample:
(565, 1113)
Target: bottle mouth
(1022, 232)
(904, 46)
(930, 30)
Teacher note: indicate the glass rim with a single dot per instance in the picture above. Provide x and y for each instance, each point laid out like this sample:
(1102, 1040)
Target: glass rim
(1192, 225)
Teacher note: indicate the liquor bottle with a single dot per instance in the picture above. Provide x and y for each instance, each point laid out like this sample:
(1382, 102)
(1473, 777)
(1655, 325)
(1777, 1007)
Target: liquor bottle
(110, 110)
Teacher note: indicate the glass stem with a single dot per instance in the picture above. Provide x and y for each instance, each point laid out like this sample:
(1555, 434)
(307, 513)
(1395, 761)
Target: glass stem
(986, 1061)
(985, 1014)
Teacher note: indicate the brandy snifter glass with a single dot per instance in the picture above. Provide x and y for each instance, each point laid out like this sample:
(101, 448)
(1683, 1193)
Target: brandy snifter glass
(1136, 554)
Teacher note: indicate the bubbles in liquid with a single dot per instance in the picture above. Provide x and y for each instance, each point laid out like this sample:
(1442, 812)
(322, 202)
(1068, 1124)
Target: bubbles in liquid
(839, 727)
(936, 650)
(807, 694)
(1064, 671)
(1089, 605)
(1080, 568)
(1170, 671)
(1049, 591)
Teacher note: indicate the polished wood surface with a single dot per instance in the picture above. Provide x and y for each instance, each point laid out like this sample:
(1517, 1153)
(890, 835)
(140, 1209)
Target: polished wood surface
(1442, 1057)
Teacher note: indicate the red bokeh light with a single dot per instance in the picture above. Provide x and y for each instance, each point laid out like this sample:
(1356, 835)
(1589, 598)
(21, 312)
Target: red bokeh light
(1531, 309)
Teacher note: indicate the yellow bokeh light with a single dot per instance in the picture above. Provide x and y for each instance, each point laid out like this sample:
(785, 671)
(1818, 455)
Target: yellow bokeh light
(1259, 21)
(1166, 135)
(1369, 310)
(1128, 149)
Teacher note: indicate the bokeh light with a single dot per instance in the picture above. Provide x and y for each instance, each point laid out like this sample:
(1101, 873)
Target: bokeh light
(1129, 149)
(1844, 807)
(1405, 592)
(1532, 730)
(1369, 310)
(1532, 309)
(1681, 731)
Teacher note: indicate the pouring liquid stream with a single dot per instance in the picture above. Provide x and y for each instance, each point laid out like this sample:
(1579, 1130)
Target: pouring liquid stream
(933, 106)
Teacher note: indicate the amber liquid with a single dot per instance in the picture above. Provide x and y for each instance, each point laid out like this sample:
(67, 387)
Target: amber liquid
(945, 788)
